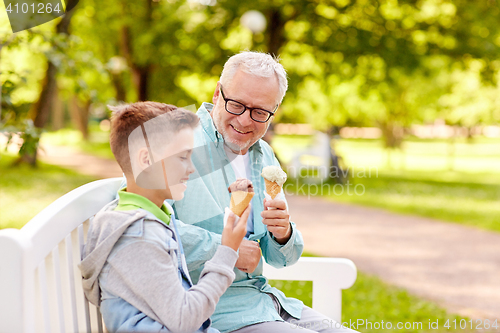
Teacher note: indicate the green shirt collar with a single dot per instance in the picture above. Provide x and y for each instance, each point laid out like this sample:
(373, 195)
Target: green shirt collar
(131, 201)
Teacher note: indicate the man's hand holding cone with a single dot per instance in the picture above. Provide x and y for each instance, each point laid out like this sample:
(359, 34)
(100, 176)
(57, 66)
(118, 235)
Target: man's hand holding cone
(274, 178)
(275, 215)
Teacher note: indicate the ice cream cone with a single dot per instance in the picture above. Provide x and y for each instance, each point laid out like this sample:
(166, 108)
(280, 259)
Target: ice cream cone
(272, 188)
(239, 201)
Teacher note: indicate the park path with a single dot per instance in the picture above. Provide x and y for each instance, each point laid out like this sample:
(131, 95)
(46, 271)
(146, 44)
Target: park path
(83, 163)
(456, 266)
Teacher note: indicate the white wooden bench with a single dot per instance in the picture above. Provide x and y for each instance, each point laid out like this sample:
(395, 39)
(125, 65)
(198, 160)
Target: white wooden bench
(41, 286)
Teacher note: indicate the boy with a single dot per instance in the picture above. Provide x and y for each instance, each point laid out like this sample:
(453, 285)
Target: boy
(133, 263)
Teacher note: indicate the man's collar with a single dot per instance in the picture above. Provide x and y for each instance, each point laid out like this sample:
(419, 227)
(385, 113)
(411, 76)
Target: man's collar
(207, 122)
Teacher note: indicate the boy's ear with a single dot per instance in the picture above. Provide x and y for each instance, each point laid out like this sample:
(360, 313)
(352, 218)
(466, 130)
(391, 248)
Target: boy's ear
(144, 158)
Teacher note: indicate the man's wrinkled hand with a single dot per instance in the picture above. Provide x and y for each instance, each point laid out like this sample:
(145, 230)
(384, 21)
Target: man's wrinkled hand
(277, 220)
(249, 256)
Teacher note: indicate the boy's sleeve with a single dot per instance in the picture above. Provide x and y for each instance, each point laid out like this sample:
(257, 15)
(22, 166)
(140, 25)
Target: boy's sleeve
(144, 274)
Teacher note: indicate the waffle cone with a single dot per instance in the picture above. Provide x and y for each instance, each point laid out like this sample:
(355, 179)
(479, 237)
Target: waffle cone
(272, 188)
(239, 201)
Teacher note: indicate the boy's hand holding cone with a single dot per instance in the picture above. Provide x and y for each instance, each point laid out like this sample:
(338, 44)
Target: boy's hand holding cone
(235, 225)
(241, 195)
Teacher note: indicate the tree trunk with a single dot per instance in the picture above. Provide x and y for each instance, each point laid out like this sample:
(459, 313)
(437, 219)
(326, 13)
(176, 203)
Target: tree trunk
(45, 103)
(57, 116)
(30, 159)
(140, 74)
(392, 134)
(142, 78)
(121, 93)
(276, 26)
(80, 116)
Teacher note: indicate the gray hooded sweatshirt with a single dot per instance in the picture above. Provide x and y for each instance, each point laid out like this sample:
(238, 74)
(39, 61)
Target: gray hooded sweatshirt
(134, 257)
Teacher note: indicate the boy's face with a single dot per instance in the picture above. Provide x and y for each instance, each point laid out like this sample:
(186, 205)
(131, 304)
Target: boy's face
(169, 173)
(178, 165)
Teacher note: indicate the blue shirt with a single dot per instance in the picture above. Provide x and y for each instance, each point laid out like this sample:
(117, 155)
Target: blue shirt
(246, 301)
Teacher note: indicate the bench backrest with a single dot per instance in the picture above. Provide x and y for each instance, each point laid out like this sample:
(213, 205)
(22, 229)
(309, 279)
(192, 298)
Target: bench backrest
(41, 285)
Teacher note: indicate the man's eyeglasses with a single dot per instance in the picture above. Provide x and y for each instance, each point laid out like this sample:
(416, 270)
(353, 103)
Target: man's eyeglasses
(236, 108)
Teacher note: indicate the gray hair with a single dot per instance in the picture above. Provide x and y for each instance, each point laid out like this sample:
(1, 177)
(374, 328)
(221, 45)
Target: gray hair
(258, 64)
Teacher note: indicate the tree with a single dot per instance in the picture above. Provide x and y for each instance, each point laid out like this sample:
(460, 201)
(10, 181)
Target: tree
(45, 103)
(379, 63)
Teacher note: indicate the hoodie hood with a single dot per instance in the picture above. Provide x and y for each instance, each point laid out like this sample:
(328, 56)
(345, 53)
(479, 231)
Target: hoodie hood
(105, 230)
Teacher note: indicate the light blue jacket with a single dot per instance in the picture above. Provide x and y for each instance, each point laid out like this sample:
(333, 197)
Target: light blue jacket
(246, 301)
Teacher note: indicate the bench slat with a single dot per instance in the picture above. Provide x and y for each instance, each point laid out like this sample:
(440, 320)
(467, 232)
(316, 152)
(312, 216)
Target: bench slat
(43, 288)
(85, 302)
(58, 289)
(71, 282)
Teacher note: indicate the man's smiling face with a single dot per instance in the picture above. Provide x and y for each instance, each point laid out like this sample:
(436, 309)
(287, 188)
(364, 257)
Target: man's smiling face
(241, 132)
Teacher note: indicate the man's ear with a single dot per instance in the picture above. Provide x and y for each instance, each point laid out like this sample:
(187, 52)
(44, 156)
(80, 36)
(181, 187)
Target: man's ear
(272, 117)
(144, 158)
(216, 95)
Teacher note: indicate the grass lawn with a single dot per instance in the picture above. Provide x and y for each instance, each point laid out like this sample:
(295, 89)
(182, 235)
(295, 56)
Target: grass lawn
(469, 196)
(25, 191)
(461, 201)
(371, 300)
(480, 156)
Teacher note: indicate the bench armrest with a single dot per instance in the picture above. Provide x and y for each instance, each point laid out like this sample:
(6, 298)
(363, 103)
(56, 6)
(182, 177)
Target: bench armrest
(329, 277)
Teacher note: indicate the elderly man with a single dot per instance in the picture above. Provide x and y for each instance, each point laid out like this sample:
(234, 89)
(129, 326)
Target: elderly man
(251, 88)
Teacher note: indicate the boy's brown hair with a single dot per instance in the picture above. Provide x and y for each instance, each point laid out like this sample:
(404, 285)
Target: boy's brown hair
(126, 118)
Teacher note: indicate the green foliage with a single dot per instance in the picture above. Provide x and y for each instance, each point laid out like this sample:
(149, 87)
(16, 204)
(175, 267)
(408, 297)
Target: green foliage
(29, 135)
(350, 62)
(24, 64)
(389, 64)
(13, 116)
